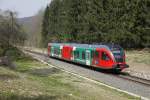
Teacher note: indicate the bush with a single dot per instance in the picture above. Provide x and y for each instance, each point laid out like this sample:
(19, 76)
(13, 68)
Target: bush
(1, 51)
(14, 53)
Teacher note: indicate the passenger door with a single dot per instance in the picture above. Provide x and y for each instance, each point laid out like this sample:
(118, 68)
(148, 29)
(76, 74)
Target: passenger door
(88, 57)
(96, 58)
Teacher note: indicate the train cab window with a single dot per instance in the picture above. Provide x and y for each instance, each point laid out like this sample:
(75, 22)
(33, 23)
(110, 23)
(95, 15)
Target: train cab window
(56, 51)
(105, 56)
(83, 54)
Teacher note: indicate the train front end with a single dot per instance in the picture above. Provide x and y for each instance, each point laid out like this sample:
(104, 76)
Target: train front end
(119, 58)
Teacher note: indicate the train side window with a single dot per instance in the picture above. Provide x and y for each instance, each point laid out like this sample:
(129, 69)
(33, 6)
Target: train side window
(105, 56)
(76, 54)
(83, 54)
(55, 51)
(92, 54)
(58, 51)
(96, 54)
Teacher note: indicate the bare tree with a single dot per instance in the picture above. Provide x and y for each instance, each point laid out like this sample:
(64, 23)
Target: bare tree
(11, 32)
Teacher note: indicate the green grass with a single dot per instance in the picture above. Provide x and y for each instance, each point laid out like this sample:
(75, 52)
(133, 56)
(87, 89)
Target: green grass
(27, 63)
(29, 82)
(5, 73)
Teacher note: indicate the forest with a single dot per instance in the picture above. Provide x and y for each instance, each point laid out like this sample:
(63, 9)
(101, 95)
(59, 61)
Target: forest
(123, 22)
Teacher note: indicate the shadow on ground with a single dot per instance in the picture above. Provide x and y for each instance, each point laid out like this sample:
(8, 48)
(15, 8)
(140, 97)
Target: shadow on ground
(44, 71)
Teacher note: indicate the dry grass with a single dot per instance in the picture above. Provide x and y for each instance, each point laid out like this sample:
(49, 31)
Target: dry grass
(139, 60)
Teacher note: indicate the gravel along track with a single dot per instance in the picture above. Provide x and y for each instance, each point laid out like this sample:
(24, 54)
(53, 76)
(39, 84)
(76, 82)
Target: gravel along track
(135, 79)
(111, 80)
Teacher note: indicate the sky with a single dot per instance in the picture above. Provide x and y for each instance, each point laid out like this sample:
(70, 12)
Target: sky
(24, 8)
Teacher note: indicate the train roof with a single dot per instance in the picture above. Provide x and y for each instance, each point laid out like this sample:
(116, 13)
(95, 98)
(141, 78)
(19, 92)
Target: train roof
(109, 46)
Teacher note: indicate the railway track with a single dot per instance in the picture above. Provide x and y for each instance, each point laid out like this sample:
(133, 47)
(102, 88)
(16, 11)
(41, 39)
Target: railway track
(135, 79)
(122, 75)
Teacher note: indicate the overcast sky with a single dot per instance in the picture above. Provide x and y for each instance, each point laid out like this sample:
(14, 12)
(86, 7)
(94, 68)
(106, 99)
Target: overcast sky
(24, 8)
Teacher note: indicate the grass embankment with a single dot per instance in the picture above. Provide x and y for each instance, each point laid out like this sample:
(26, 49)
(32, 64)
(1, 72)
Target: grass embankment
(33, 80)
(139, 60)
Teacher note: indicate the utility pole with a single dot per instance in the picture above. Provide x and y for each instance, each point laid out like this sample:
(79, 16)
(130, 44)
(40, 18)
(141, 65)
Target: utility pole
(12, 26)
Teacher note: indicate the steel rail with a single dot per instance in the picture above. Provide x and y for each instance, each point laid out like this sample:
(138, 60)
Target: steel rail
(135, 79)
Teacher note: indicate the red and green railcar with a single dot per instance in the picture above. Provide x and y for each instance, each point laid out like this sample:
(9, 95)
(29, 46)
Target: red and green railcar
(108, 56)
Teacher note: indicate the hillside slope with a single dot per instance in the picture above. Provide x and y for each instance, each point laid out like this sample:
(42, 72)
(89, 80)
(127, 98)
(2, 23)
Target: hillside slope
(32, 26)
